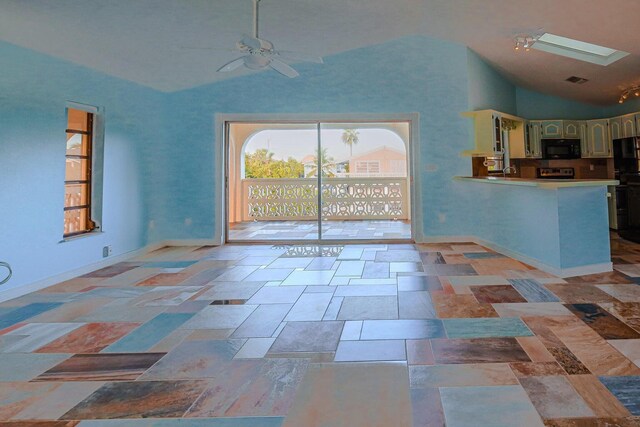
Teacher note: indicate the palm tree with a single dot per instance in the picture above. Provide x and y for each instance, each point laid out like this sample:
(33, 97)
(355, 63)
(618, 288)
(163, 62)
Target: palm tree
(327, 164)
(350, 137)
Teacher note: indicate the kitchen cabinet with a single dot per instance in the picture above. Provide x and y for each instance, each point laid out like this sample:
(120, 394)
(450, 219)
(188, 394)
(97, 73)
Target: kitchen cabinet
(615, 124)
(628, 126)
(637, 116)
(490, 129)
(552, 129)
(571, 129)
(533, 144)
(597, 139)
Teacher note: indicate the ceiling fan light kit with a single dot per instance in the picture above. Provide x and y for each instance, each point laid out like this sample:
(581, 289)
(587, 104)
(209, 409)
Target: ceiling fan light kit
(260, 53)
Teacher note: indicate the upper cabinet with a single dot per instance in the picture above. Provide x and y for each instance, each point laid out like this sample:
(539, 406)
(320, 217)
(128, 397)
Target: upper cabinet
(628, 126)
(571, 129)
(552, 129)
(533, 145)
(597, 140)
(492, 130)
(615, 124)
(556, 129)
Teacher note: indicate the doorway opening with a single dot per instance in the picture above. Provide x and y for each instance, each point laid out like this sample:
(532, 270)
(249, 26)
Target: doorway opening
(318, 181)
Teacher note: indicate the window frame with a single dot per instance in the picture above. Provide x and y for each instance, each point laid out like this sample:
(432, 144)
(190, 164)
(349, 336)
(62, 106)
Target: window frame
(88, 176)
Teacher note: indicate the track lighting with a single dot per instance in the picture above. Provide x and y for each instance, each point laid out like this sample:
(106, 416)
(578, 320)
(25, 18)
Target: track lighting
(634, 90)
(524, 41)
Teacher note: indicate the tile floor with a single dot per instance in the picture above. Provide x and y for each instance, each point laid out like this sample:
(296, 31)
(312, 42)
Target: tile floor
(331, 230)
(356, 335)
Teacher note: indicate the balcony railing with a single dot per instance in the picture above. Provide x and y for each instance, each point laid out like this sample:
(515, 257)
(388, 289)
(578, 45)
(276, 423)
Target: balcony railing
(342, 199)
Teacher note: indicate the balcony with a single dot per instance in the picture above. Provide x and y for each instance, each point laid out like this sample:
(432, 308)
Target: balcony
(352, 208)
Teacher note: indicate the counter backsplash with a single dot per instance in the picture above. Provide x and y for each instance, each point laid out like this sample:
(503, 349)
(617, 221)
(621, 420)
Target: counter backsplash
(526, 168)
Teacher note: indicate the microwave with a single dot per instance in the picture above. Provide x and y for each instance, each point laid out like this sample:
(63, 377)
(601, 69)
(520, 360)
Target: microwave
(560, 149)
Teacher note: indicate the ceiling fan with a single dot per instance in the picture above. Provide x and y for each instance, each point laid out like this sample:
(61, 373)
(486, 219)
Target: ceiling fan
(260, 53)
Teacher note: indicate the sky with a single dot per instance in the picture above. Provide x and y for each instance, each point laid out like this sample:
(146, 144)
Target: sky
(300, 143)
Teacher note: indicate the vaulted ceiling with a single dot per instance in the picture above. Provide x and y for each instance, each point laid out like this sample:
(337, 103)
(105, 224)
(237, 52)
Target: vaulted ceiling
(151, 41)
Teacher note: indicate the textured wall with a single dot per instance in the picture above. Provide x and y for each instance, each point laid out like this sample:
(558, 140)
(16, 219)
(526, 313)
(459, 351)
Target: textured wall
(415, 74)
(535, 105)
(34, 89)
(487, 88)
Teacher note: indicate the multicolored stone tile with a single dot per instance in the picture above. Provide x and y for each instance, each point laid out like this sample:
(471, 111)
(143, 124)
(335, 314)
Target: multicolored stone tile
(90, 338)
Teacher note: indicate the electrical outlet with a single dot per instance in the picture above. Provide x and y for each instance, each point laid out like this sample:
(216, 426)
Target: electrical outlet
(592, 167)
(107, 251)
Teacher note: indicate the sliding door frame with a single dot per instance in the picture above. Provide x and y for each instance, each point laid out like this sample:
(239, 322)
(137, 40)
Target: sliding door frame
(221, 169)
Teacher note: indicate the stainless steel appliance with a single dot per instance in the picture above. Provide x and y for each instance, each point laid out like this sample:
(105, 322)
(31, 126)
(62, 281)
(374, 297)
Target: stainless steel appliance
(556, 173)
(560, 149)
(494, 164)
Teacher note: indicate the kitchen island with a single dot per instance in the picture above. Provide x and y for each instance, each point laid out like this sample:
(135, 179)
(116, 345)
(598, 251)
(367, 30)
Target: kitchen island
(559, 226)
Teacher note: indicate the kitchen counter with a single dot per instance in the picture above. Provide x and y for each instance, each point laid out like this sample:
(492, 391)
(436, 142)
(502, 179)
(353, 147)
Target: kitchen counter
(541, 183)
(559, 226)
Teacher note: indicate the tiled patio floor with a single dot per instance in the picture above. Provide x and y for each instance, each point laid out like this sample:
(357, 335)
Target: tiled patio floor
(356, 335)
(331, 230)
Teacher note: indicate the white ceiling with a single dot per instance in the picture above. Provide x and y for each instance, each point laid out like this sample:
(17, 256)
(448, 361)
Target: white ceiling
(145, 40)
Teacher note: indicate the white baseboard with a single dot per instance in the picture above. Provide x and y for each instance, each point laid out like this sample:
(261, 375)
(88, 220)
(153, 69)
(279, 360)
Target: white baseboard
(41, 284)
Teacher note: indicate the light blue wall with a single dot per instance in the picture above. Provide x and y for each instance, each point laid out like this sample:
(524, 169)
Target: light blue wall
(34, 89)
(413, 74)
(535, 105)
(630, 106)
(487, 88)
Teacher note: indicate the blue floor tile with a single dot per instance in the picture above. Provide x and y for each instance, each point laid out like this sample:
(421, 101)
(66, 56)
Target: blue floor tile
(626, 390)
(533, 291)
(486, 328)
(23, 313)
(149, 334)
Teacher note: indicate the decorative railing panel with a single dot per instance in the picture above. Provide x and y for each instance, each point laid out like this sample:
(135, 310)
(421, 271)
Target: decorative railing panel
(342, 198)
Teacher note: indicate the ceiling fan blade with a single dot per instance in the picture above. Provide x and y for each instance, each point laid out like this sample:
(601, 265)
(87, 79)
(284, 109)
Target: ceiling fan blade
(230, 66)
(283, 68)
(298, 56)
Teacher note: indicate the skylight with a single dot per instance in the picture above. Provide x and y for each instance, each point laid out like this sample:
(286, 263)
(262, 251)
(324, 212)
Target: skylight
(577, 49)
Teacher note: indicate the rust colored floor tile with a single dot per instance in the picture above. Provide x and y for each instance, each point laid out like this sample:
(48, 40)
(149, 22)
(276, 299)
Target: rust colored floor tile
(554, 397)
(540, 369)
(496, 294)
(478, 350)
(112, 270)
(568, 361)
(461, 306)
(597, 396)
(90, 338)
(605, 324)
(625, 292)
(144, 399)
(419, 352)
(535, 349)
(579, 293)
(101, 367)
(623, 310)
(593, 351)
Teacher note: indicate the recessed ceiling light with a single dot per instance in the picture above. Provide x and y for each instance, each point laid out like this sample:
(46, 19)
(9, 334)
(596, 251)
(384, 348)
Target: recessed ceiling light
(577, 49)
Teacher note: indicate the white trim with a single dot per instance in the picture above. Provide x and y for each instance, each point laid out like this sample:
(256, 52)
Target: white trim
(50, 281)
(559, 272)
(71, 274)
(413, 153)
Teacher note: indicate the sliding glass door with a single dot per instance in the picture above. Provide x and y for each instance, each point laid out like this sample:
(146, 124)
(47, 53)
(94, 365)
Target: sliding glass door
(294, 182)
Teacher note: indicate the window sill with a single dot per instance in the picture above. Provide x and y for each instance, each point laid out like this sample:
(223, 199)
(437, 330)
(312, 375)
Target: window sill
(81, 236)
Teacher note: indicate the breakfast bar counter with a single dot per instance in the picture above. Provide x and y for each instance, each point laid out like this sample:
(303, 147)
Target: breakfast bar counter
(557, 225)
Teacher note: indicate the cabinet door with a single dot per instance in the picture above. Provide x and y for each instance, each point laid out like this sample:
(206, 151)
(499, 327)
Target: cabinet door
(616, 127)
(498, 145)
(628, 126)
(584, 140)
(599, 139)
(571, 129)
(637, 116)
(552, 129)
(535, 147)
